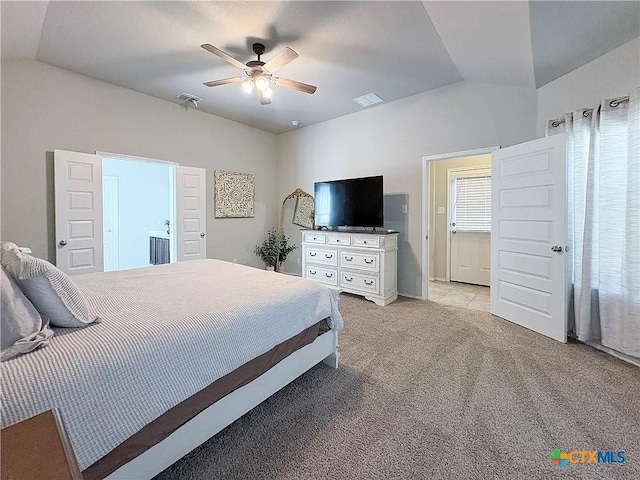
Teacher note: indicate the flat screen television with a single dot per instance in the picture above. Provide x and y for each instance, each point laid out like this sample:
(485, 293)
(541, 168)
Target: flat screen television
(354, 202)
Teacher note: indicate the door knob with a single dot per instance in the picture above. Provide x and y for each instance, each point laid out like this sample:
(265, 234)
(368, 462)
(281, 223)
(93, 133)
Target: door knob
(202, 235)
(62, 243)
(556, 248)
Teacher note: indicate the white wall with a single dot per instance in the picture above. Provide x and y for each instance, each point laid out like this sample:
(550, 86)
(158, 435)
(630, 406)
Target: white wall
(614, 74)
(144, 206)
(44, 108)
(391, 139)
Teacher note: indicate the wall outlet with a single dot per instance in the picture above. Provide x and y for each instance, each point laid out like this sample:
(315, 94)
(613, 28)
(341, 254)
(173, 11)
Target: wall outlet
(235, 260)
(298, 261)
(441, 210)
(403, 209)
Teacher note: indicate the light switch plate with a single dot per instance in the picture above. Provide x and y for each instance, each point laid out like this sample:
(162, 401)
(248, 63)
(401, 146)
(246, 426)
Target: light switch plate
(404, 209)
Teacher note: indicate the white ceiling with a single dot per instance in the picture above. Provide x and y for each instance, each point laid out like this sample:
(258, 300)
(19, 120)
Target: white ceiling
(347, 49)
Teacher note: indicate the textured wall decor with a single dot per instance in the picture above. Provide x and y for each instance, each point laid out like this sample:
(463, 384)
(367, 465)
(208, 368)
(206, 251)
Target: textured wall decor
(303, 214)
(234, 194)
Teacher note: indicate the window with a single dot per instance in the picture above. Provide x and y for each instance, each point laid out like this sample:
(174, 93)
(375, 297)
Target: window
(472, 210)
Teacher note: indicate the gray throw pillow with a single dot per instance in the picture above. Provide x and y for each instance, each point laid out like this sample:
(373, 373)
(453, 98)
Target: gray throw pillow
(50, 290)
(23, 330)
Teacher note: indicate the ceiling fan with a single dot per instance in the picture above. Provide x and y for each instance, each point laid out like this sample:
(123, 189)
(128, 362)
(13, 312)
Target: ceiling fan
(259, 74)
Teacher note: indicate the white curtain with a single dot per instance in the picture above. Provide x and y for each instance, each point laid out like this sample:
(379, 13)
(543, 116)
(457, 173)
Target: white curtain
(603, 155)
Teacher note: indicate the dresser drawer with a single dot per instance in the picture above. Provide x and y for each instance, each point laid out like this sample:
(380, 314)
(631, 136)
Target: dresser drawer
(324, 275)
(339, 239)
(319, 255)
(369, 241)
(315, 238)
(365, 283)
(361, 261)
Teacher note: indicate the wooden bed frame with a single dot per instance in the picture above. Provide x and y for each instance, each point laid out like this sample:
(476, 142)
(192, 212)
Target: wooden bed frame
(228, 409)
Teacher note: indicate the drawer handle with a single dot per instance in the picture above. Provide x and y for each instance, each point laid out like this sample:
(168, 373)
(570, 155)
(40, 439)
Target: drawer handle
(313, 272)
(328, 275)
(312, 254)
(370, 282)
(368, 262)
(348, 259)
(337, 240)
(348, 279)
(364, 241)
(327, 255)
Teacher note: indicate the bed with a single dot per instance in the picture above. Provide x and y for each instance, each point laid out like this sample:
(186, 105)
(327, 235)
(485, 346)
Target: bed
(181, 351)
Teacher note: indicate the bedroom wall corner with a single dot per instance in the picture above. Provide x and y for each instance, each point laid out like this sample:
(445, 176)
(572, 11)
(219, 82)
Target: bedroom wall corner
(73, 112)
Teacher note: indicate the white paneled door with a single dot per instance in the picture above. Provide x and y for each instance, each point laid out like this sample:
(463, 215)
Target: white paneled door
(78, 211)
(471, 257)
(470, 233)
(528, 236)
(191, 213)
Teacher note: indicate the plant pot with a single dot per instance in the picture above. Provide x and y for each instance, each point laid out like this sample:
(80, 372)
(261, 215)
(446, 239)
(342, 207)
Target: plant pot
(270, 268)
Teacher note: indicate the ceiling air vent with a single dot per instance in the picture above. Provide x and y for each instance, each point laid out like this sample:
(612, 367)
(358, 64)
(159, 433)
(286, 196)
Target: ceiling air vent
(367, 100)
(187, 97)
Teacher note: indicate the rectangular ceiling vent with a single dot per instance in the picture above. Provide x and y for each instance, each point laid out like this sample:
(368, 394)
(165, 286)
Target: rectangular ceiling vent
(368, 100)
(187, 97)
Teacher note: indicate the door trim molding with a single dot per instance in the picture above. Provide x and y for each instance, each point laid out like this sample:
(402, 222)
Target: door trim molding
(426, 203)
(133, 158)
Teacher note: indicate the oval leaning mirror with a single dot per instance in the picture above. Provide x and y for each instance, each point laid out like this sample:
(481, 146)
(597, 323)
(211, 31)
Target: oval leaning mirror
(297, 214)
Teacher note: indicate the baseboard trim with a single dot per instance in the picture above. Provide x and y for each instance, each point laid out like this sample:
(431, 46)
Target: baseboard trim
(417, 297)
(440, 279)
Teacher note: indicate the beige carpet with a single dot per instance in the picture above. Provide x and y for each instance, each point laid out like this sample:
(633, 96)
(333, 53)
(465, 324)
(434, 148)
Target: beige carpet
(430, 391)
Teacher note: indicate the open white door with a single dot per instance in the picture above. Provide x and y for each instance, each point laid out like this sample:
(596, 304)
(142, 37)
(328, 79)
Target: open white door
(191, 213)
(78, 207)
(528, 236)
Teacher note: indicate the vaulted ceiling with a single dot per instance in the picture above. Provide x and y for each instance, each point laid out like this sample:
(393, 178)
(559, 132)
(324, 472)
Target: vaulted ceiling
(347, 49)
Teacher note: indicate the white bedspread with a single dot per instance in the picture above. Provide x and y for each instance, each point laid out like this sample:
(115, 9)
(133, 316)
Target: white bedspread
(166, 333)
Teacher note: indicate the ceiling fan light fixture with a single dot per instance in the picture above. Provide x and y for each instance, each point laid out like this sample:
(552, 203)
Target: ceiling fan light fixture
(247, 86)
(261, 83)
(267, 92)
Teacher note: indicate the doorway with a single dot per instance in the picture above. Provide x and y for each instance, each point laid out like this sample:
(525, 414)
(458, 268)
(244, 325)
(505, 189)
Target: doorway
(138, 206)
(456, 225)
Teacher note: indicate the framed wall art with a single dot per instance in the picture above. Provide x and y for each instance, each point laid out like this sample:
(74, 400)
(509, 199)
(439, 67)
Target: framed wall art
(235, 194)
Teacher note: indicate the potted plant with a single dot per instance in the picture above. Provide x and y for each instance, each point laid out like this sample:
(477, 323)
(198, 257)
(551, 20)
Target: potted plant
(274, 249)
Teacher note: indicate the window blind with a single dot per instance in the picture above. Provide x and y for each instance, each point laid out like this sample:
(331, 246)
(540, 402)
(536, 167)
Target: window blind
(473, 204)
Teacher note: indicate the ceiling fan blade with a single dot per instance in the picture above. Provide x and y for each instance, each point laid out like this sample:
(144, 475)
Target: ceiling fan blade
(301, 87)
(263, 100)
(285, 56)
(223, 55)
(224, 81)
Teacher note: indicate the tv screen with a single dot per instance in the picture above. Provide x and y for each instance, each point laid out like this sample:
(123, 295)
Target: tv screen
(355, 202)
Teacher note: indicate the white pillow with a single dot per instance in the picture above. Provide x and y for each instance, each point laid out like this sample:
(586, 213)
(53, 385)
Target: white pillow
(22, 327)
(50, 290)
(6, 247)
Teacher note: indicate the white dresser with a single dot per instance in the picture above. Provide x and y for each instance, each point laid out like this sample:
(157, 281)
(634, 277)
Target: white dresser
(357, 262)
